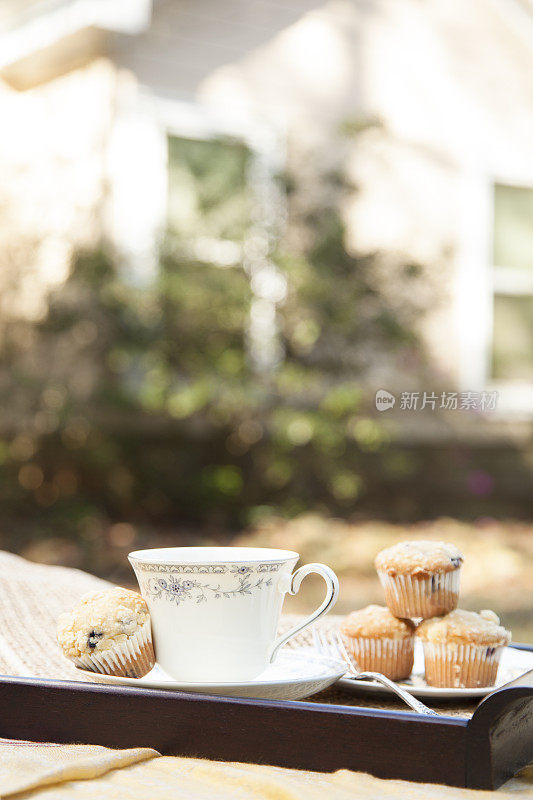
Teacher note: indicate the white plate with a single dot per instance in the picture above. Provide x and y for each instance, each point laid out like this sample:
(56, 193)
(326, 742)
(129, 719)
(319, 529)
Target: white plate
(513, 664)
(294, 674)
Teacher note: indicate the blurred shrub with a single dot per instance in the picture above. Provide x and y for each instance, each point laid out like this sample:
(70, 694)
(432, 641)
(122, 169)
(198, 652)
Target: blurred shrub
(143, 403)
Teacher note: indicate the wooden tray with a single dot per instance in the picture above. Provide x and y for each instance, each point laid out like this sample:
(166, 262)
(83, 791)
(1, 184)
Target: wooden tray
(481, 752)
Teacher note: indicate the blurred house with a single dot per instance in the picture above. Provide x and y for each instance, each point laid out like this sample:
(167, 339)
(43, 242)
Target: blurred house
(96, 96)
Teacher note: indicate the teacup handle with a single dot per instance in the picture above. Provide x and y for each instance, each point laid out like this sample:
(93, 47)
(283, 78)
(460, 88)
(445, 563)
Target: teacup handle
(294, 582)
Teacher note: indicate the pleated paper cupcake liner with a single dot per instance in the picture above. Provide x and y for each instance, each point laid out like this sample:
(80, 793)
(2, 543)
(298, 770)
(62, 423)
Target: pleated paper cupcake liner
(409, 597)
(391, 657)
(132, 658)
(461, 666)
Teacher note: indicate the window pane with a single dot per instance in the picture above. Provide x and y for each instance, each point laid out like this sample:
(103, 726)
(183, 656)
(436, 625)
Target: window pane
(207, 188)
(512, 353)
(513, 227)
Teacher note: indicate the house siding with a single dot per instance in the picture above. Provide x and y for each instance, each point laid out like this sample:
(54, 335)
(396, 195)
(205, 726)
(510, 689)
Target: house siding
(52, 160)
(450, 83)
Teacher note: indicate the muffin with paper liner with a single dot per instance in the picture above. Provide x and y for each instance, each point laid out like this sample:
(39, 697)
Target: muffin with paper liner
(379, 641)
(462, 649)
(109, 632)
(420, 578)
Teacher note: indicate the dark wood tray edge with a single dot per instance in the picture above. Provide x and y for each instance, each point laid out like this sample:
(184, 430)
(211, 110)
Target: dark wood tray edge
(481, 752)
(281, 733)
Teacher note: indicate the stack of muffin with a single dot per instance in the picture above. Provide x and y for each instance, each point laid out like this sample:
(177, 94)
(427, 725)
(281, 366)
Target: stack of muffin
(420, 580)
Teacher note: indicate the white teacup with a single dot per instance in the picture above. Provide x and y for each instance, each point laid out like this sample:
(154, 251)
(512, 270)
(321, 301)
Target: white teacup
(215, 610)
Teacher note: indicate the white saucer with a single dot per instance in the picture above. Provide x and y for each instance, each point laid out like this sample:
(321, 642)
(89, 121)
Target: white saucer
(295, 674)
(513, 664)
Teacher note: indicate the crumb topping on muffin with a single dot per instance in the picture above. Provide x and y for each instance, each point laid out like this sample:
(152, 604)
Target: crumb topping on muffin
(464, 627)
(420, 558)
(100, 621)
(376, 622)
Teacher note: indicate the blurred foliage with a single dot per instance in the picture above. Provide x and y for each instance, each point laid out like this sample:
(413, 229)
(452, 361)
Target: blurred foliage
(129, 409)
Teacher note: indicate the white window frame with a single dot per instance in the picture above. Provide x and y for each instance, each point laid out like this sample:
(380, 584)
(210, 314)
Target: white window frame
(478, 280)
(142, 123)
(194, 121)
(158, 118)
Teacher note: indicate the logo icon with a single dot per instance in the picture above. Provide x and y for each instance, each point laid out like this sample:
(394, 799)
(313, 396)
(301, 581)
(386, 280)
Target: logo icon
(384, 400)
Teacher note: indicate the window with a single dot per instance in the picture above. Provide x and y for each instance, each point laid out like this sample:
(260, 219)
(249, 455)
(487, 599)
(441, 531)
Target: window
(512, 248)
(513, 227)
(224, 208)
(208, 196)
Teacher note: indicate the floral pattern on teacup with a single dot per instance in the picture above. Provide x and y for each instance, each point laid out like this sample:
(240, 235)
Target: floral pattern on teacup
(176, 590)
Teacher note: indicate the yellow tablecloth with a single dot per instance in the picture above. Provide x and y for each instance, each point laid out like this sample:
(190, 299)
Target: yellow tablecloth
(31, 597)
(47, 772)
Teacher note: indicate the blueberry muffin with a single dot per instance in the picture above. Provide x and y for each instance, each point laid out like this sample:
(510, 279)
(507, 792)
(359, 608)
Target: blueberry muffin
(109, 632)
(420, 578)
(379, 641)
(463, 649)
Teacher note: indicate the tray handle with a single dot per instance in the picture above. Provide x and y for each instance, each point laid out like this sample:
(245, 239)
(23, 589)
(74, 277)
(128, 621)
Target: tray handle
(500, 734)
